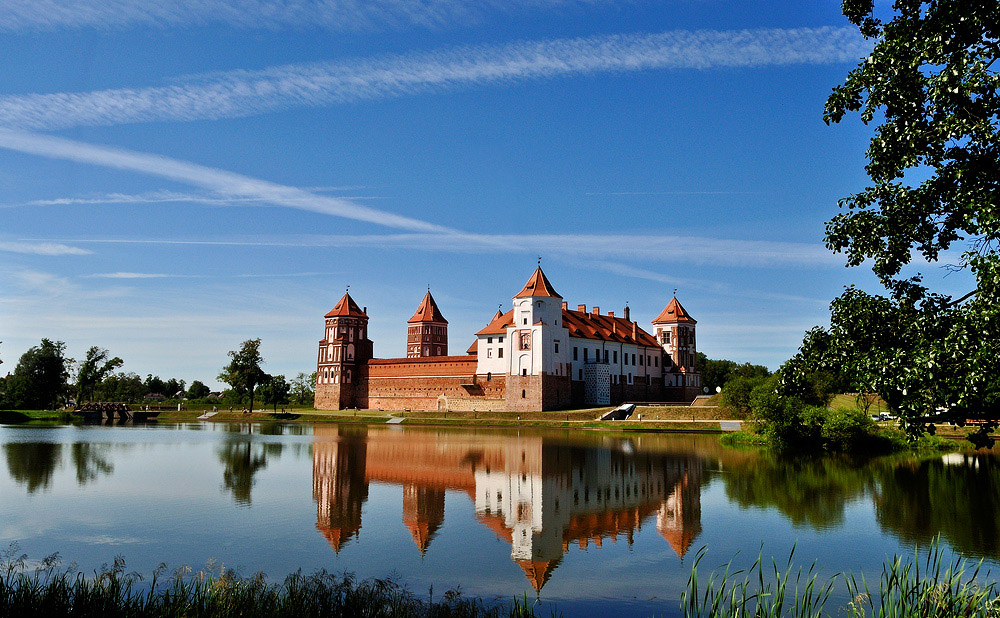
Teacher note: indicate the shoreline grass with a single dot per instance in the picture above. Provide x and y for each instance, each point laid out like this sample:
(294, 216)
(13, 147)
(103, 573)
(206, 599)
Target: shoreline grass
(928, 587)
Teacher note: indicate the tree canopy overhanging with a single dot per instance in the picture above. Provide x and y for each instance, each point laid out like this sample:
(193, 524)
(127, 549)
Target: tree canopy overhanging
(931, 84)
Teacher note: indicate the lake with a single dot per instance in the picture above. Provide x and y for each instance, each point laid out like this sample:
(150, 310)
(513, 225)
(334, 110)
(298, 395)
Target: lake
(591, 523)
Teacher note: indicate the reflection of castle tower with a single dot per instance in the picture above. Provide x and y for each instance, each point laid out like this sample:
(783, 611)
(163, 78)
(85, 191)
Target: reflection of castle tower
(423, 513)
(339, 487)
(679, 517)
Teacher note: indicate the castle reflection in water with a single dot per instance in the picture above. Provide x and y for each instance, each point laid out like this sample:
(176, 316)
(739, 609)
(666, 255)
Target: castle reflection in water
(536, 495)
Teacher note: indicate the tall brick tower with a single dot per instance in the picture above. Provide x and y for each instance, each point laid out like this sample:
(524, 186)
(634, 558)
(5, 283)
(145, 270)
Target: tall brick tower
(342, 363)
(427, 331)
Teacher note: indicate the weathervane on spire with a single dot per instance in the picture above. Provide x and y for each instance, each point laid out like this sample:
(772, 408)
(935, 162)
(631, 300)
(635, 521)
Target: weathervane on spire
(675, 292)
(539, 261)
(348, 288)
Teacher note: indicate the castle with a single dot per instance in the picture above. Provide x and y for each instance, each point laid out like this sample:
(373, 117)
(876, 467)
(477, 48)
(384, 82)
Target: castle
(540, 355)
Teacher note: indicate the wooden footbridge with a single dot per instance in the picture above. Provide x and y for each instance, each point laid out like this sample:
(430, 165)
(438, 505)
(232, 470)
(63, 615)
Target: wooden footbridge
(99, 411)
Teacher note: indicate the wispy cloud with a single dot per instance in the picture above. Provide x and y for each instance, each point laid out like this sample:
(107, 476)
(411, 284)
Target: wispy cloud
(227, 184)
(732, 252)
(130, 275)
(41, 248)
(163, 197)
(645, 247)
(247, 93)
(338, 15)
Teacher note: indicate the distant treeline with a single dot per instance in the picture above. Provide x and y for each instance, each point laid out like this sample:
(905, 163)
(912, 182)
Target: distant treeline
(45, 378)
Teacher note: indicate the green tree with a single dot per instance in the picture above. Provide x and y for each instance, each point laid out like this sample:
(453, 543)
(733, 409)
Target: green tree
(173, 386)
(95, 367)
(736, 393)
(934, 166)
(274, 390)
(40, 379)
(304, 389)
(198, 390)
(124, 387)
(243, 373)
(154, 384)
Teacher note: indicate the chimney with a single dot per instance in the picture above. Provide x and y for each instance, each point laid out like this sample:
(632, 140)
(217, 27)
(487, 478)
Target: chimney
(595, 310)
(626, 312)
(635, 331)
(364, 310)
(565, 305)
(582, 308)
(611, 314)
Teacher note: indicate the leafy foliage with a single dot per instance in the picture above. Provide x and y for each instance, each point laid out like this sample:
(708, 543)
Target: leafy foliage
(198, 390)
(243, 373)
(303, 389)
(274, 390)
(40, 379)
(96, 366)
(934, 166)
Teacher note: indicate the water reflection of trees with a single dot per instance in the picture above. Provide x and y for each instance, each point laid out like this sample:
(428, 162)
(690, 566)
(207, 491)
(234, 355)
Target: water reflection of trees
(33, 463)
(809, 491)
(917, 500)
(243, 460)
(90, 462)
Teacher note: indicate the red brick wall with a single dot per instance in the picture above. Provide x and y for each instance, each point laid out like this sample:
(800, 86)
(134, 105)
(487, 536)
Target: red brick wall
(430, 384)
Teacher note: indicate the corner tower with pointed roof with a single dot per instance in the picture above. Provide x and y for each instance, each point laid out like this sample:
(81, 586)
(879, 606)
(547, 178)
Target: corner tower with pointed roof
(427, 331)
(342, 362)
(674, 329)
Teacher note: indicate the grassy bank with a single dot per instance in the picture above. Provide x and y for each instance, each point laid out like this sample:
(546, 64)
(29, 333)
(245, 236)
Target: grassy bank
(924, 587)
(673, 418)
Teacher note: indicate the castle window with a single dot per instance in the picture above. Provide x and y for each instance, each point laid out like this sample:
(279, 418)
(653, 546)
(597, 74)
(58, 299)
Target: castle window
(489, 353)
(666, 337)
(656, 362)
(633, 360)
(575, 353)
(489, 340)
(525, 321)
(615, 357)
(489, 376)
(523, 393)
(640, 359)
(557, 346)
(605, 356)
(524, 372)
(586, 354)
(499, 339)
(499, 352)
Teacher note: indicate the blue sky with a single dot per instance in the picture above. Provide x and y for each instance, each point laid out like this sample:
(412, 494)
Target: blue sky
(177, 178)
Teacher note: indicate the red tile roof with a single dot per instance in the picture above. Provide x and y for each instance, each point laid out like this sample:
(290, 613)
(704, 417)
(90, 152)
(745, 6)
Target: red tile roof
(605, 328)
(538, 285)
(474, 348)
(498, 325)
(585, 326)
(428, 311)
(673, 312)
(346, 307)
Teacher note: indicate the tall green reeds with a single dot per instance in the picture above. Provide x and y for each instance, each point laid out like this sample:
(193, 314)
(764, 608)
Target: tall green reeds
(48, 592)
(929, 588)
(765, 590)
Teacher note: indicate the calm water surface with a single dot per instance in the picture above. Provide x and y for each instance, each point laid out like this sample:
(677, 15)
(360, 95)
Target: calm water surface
(591, 523)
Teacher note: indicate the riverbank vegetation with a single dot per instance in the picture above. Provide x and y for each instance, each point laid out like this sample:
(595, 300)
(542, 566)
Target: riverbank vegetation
(930, 587)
